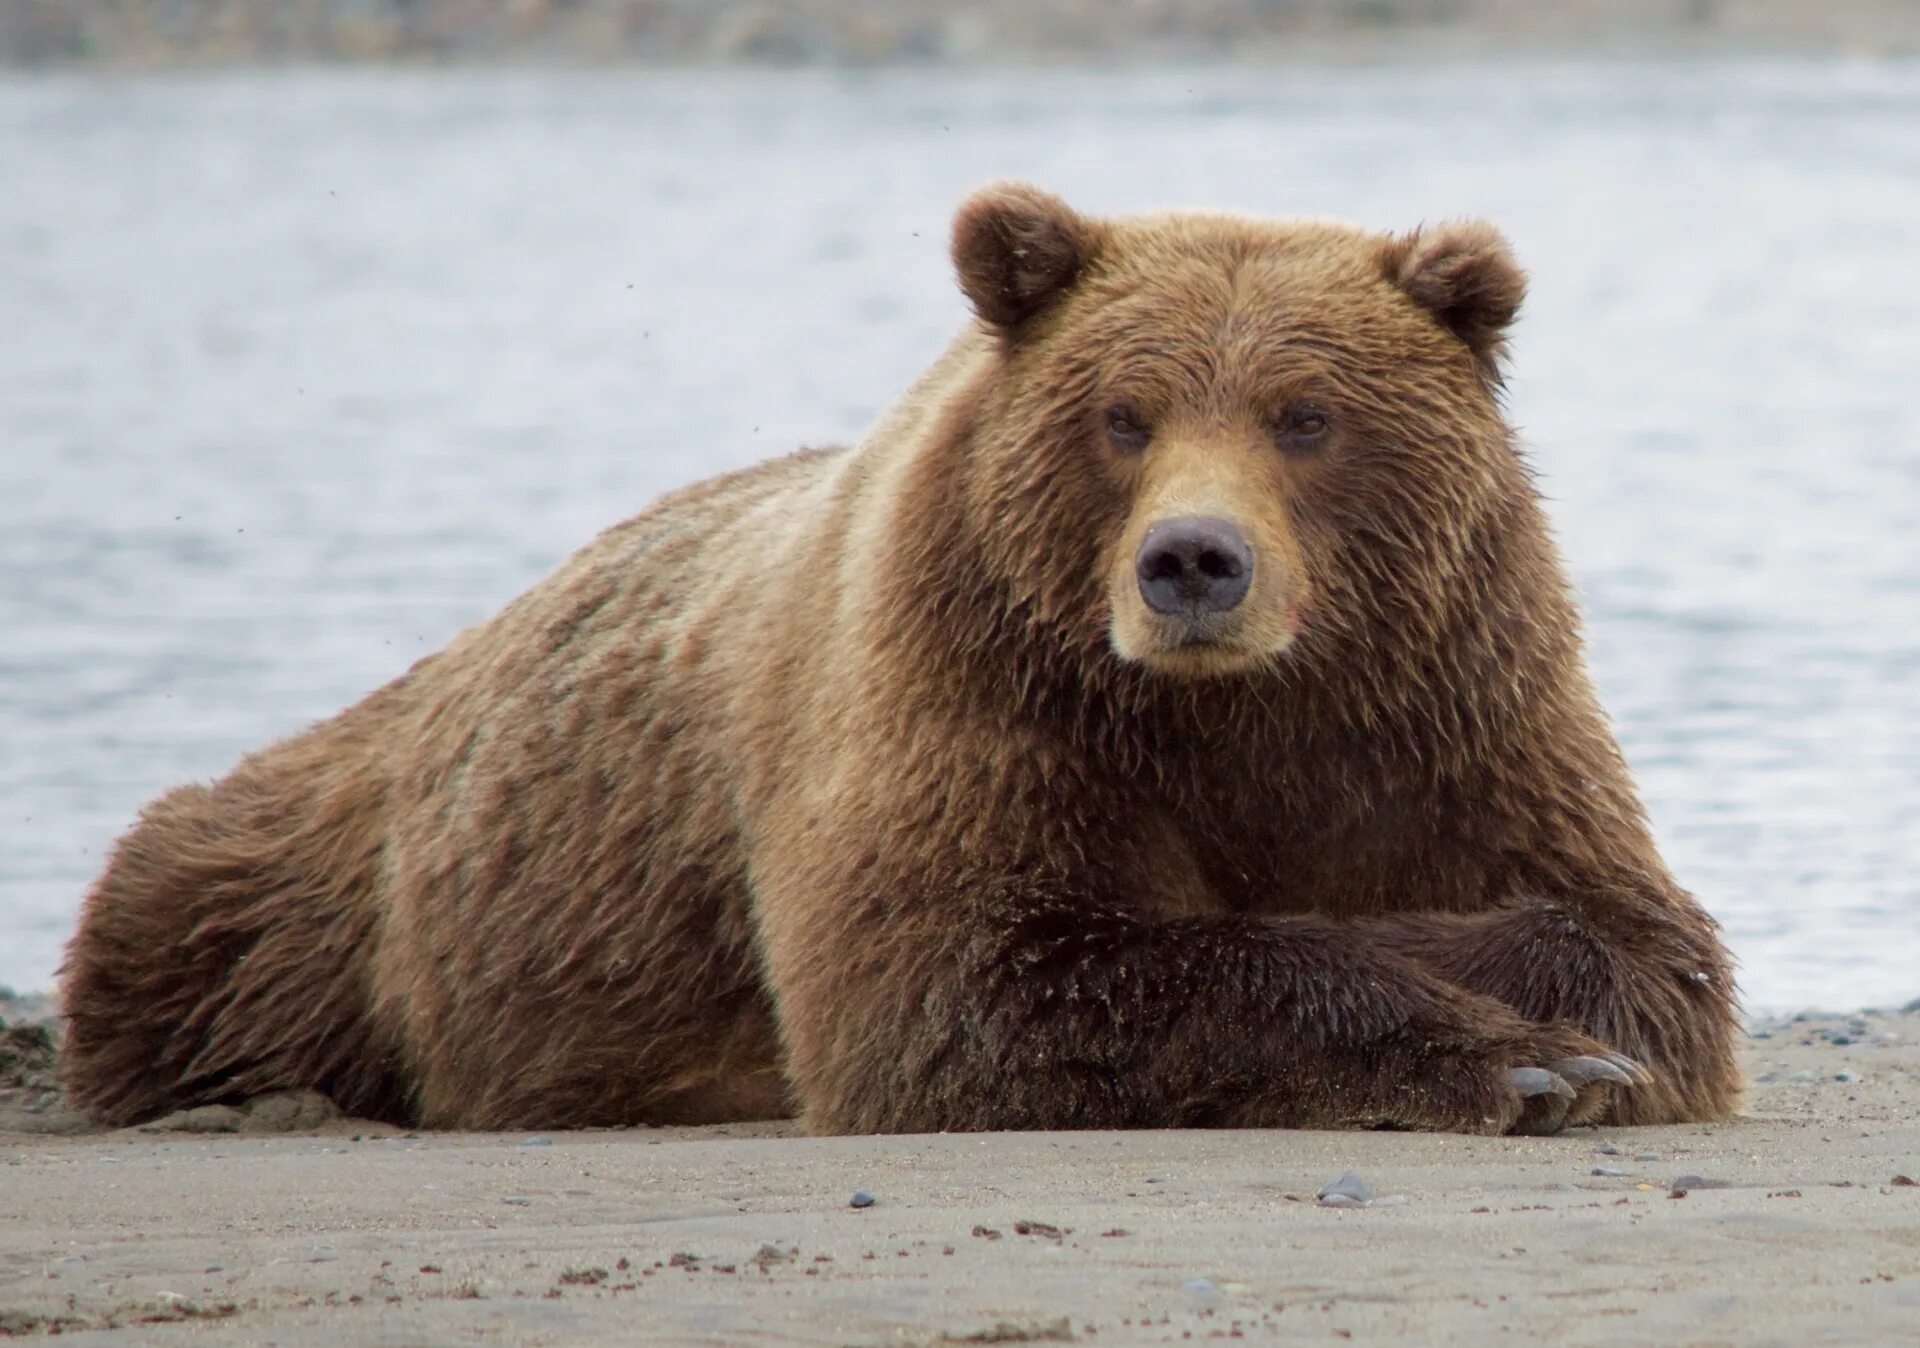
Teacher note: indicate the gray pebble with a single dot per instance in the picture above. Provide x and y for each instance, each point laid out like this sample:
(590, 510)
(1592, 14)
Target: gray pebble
(1688, 1182)
(1348, 1186)
(861, 1199)
(1611, 1171)
(516, 1202)
(1606, 1149)
(1203, 1294)
(1646, 1156)
(537, 1142)
(1845, 1076)
(1839, 1040)
(1801, 1078)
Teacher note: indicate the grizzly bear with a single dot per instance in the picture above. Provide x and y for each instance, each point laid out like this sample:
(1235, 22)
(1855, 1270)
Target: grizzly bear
(1172, 714)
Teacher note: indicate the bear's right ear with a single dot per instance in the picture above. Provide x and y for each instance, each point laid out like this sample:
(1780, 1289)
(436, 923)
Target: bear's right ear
(1016, 249)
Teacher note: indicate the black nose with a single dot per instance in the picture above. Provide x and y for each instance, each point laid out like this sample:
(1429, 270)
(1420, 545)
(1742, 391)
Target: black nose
(1194, 565)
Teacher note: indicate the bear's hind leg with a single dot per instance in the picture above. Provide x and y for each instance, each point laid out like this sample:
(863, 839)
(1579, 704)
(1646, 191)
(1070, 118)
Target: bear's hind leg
(221, 956)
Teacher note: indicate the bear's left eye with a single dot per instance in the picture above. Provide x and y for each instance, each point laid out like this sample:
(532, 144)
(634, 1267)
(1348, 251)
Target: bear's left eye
(1127, 430)
(1301, 426)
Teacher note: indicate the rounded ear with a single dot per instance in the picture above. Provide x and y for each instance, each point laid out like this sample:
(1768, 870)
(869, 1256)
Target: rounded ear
(1465, 276)
(1017, 249)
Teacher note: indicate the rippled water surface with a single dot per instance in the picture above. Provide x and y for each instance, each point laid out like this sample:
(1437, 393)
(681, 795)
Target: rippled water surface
(300, 374)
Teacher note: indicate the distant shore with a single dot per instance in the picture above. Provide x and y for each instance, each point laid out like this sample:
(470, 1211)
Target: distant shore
(164, 34)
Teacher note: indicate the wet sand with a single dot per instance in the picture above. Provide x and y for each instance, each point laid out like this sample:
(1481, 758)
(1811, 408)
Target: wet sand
(1805, 1231)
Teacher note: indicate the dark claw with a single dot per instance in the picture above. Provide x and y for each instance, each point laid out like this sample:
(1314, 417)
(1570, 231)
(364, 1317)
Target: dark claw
(1532, 1081)
(1641, 1076)
(1548, 1098)
(1583, 1071)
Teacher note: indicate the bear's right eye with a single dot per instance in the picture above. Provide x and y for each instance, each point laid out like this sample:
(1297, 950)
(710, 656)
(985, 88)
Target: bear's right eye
(1127, 430)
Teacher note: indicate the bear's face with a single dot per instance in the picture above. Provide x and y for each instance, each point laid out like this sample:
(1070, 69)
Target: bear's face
(1216, 437)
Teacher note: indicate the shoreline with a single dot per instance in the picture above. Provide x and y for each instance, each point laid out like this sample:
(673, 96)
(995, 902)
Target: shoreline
(1797, 1221)
(920, 34)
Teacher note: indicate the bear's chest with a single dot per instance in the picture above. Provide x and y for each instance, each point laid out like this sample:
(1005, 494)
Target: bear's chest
(1272, 854)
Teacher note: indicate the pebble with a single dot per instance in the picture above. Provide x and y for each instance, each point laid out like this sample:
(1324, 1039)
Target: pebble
(1606, 1149)
(1801, 1078)
(1845, 1076)
(861, 1199)
(1687, 1182)
(537, 1142)
(1348, 1191)
(1611, 1171)
(1204, 1294)
(1646, 1156)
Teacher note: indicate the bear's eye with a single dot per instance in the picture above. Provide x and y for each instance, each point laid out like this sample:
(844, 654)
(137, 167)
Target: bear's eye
(1127, 430)
(1301, 427)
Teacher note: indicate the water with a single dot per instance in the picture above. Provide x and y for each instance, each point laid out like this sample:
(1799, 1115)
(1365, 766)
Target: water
(300, 374)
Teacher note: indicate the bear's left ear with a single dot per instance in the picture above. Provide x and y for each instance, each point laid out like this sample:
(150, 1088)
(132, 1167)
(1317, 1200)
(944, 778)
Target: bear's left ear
(1017, 249)
(1464, 274)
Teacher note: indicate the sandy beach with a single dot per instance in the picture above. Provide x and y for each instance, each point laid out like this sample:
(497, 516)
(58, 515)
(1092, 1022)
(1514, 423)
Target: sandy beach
(1797, 1223)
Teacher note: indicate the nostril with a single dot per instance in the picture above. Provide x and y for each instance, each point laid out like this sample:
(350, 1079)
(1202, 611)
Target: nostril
(1217, 565)
(1163, 565)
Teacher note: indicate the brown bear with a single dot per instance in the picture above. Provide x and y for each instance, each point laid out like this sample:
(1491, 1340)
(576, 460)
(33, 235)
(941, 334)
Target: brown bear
(1172, 714)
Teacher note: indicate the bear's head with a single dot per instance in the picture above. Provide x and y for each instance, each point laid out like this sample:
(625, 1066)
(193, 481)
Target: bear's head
(1206, 439)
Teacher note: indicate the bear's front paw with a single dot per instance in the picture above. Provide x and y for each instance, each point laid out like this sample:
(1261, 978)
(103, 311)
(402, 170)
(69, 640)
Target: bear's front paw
(1573, 1081)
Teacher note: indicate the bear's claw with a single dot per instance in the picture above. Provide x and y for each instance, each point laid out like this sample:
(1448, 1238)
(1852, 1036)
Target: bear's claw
(1546, 1098)
(1570, 1089)
(1583, 1071)
(1532, 1081)
(1638, 1071)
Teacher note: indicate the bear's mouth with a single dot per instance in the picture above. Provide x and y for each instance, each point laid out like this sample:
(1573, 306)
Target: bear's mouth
(1202, 648)
(1192, 640)
(1201, 632)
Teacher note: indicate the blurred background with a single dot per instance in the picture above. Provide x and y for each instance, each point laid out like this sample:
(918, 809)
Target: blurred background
(326, 326)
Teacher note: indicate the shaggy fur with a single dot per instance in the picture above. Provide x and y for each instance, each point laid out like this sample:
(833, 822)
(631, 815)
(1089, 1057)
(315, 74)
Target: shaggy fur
(863, 784)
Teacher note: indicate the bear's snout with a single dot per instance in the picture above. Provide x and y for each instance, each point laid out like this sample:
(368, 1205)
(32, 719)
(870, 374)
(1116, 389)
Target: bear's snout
(1193, 566)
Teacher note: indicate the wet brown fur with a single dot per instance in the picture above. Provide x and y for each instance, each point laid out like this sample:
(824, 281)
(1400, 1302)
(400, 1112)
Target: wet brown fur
(822, 787)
